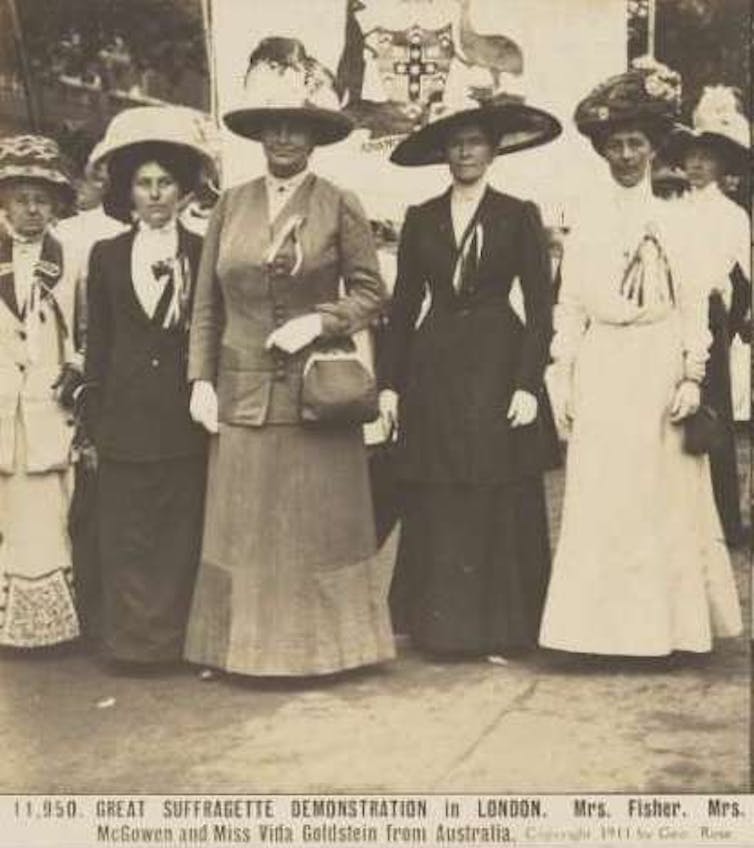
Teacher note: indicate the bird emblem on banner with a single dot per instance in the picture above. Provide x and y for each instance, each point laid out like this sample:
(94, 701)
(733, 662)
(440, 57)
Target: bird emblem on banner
(390, 80)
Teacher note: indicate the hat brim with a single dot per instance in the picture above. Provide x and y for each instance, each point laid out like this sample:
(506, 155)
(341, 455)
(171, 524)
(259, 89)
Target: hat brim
(51, 177)
(518, 126)
(682, 138)
(327, 126)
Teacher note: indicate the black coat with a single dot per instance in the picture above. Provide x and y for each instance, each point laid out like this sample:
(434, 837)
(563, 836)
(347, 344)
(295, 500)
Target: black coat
(457, 372)
(138, 403)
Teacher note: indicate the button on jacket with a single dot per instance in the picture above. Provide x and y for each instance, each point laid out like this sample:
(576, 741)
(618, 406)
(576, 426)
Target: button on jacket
(240, 299)
(136, 367)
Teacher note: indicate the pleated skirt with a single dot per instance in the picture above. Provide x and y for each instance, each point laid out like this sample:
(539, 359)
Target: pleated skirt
(289, 583)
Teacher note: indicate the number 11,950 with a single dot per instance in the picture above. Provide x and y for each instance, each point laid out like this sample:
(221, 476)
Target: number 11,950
(45, 808)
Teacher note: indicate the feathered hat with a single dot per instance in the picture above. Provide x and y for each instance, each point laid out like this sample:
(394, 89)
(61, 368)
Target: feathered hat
(649, 94)
(284, 81)
(717, 122)
(34, 157)
(515, 125)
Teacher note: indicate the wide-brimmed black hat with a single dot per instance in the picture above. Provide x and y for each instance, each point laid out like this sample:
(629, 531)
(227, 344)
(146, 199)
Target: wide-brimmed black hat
(283, 82)
(719, 124)
(649, 94)
(508, 119)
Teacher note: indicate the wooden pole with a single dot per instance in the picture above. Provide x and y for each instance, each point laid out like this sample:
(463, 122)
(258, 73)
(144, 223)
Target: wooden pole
(652, 28)
(18, 39)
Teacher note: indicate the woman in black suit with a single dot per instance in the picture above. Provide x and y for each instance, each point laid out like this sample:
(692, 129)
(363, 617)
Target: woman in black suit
(151, 455)
(474, 556)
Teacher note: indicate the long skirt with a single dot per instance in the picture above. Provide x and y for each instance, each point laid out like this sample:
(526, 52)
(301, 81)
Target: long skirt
(36, 595)
(472, 568)
(150, 520)
(717, 392)
(289, 583)
(83, 530)
(641, 567)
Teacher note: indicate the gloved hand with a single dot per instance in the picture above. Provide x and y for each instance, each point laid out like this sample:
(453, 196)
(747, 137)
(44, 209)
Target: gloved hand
(296, 333)
(523, 408)
(68, 381)
(203, 405)
(686, 401)
(388, 401)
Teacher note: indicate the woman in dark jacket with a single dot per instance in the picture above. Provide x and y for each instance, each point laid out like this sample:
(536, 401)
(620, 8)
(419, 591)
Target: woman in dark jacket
(473, 559)
(151, 454)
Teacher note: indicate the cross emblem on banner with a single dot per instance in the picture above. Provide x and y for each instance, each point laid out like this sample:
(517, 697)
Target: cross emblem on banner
(415, 67)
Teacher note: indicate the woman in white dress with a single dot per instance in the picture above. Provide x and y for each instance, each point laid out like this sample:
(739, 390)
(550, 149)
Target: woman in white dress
(641, 567)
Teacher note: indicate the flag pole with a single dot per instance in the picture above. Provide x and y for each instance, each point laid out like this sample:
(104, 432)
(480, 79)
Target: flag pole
(652, 28)
(18, 39)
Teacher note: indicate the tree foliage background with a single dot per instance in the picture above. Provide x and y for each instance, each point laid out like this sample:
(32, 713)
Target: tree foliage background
(706, 41)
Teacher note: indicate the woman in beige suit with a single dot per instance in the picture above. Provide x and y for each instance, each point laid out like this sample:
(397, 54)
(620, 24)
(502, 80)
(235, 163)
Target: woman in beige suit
(287, 583)
(37, 375)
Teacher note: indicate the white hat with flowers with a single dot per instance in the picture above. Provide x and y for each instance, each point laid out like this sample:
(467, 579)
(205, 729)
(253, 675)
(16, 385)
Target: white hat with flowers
(718, 122)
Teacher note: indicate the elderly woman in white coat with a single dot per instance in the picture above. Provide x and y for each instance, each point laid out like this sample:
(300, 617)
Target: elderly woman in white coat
(38, 374)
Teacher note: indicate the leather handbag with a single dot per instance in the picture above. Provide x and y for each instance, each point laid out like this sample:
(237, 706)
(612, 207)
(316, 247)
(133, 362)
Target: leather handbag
(338, 386)
(703, 431)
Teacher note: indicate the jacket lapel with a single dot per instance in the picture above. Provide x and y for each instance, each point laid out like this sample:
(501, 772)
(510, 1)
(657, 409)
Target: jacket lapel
(7, 283)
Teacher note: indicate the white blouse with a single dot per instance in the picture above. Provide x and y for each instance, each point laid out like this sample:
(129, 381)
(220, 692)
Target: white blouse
(151, 245)
(25, 257)
(723, 227)
(597, 254)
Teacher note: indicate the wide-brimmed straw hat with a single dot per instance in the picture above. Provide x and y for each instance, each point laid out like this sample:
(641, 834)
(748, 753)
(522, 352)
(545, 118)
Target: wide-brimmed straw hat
(187, 130)
(648, 94)
(34, 157)
(178, 133)
(508, 119)
(284, 82)
(718, 123)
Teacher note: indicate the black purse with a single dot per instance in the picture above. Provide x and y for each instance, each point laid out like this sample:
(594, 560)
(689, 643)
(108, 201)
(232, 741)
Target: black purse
(338, 387)
(703, 431)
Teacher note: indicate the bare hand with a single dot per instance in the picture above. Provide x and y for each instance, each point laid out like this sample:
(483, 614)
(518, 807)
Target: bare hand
(687, 398)
(523, 408)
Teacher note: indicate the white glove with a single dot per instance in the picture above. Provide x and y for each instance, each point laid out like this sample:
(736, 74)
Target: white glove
(203, 405)
(523, 408)
(686, 401)
(388, 401)
(296, 333)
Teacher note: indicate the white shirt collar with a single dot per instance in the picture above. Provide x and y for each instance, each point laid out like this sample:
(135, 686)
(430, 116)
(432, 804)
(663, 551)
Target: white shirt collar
(637, 195)
(710, 192)
(168, 230)
(285, 185)
(470, 194)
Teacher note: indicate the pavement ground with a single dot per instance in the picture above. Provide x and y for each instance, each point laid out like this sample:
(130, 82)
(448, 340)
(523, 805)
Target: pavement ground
(538, 724)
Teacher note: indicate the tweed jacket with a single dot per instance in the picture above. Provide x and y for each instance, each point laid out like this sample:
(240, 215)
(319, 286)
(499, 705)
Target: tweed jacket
(138, 395)
(241, 298)
(457, 371)
(33, 348)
